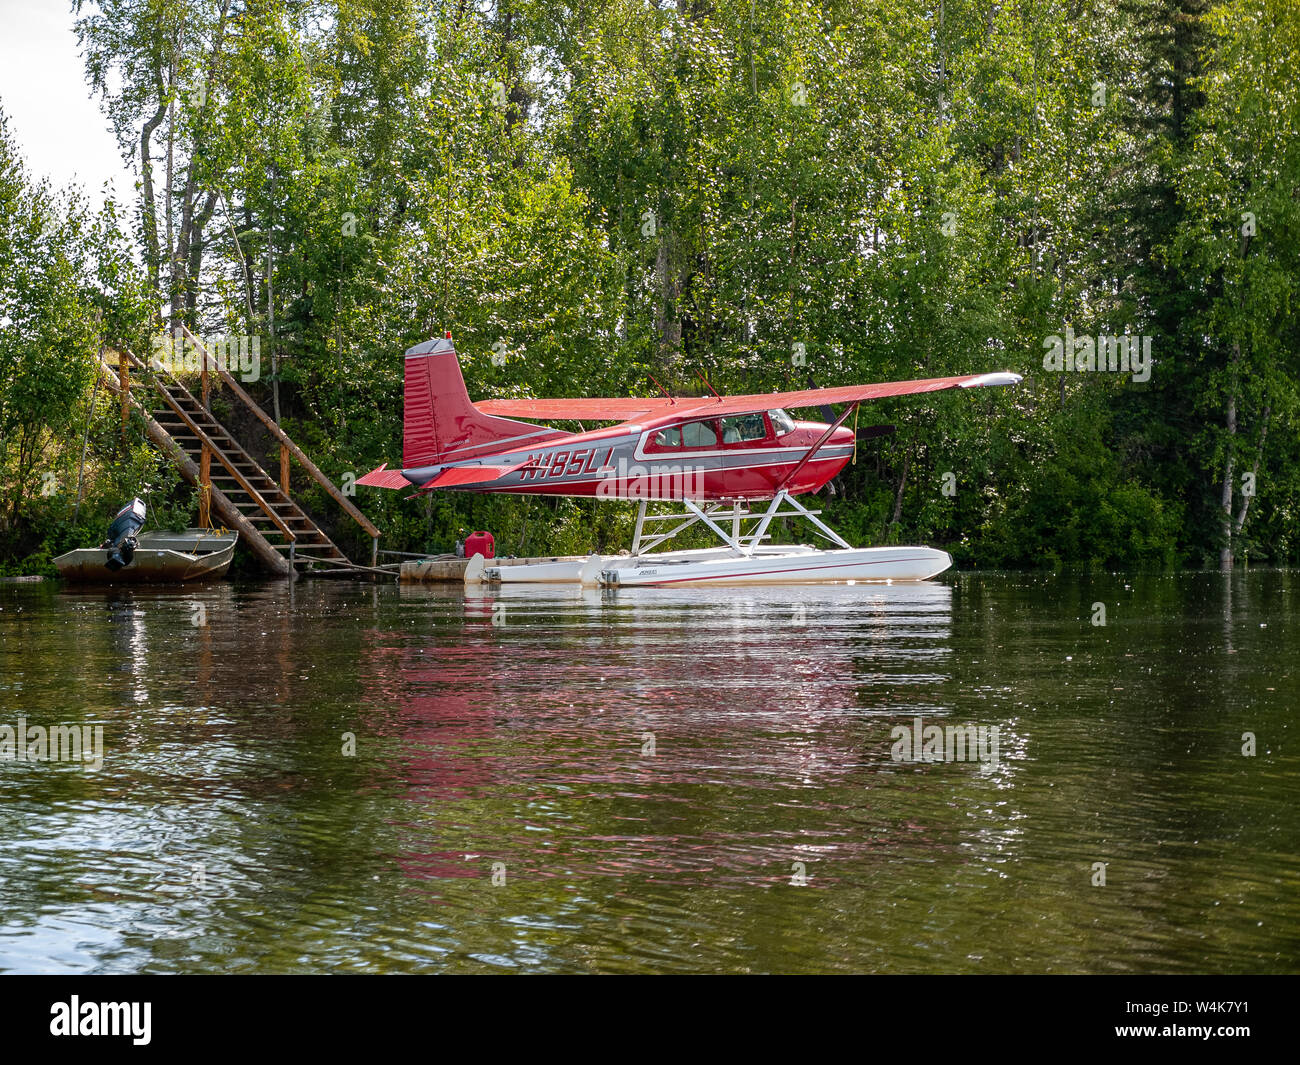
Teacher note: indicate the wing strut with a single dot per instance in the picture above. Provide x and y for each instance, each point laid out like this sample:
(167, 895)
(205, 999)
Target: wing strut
(819, 445)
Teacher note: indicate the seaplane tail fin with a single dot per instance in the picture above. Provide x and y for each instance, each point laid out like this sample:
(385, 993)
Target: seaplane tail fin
(440, 425)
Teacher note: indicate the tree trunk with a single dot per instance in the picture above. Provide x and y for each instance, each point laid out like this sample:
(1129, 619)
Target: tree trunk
(668, 323)
(1254, 472)
(172, 319)
(149, 212)
(181, 254)
(194, 256)
(1225, 495)
(187, 254)
(902, 483)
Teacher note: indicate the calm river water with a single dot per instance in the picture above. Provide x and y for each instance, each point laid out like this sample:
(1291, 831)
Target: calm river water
(352, 778)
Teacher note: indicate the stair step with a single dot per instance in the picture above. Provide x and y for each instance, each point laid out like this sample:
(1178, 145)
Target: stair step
(214, 432)
(237, 492)
(257, 480)
(182, 434)
(260, 517)
(248, 471)
(254, 513)
(285, 510)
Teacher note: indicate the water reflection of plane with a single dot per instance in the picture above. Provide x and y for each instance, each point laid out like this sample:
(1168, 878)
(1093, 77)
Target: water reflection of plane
(442, 702)
(789, 651)
(541, 691)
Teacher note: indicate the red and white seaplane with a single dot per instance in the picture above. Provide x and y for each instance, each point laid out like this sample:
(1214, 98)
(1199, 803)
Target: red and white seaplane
(736, 461)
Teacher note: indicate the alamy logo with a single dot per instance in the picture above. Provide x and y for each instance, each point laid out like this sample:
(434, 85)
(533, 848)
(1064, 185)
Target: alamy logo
(1103, 354)
(59, 743)
(103, 1018)
(179, 354)
(920, 742)
(653, 482)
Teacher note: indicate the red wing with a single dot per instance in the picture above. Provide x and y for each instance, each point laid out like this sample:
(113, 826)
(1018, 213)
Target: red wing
(629, 409)
(816, 397)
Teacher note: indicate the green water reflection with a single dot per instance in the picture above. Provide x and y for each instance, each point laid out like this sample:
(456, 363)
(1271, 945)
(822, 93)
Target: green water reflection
(651, 781)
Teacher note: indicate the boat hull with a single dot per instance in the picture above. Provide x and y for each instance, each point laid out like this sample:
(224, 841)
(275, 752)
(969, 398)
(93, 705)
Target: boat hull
(157, 561)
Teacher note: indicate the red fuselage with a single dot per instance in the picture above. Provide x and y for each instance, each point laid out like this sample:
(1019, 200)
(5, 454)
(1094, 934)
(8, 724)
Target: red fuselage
(747, 456)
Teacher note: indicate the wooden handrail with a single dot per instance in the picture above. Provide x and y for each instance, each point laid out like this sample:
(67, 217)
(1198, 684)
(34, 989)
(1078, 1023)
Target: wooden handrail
(194, 427)
(284, 439)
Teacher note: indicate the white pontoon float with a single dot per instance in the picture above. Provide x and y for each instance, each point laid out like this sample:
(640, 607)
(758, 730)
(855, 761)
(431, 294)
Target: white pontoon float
(745, 557)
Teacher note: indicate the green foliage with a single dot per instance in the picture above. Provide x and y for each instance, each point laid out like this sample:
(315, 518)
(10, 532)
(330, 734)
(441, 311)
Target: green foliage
(67, 286)
(620, 191)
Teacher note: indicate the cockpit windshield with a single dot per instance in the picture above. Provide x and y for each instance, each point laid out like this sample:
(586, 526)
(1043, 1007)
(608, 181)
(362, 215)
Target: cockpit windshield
(782, 423)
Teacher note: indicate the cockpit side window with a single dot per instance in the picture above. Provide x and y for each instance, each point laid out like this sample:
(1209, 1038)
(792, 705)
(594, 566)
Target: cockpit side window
(743, 427)
(699, 434)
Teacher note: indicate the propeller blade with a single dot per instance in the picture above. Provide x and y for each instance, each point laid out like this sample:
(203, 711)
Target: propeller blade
(828, 415)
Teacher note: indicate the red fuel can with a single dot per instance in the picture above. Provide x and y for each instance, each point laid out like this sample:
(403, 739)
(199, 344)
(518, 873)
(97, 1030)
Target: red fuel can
(480, 543)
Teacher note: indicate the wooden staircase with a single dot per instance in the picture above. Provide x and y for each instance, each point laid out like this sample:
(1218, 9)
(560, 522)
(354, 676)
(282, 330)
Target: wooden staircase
(181, 414)
(283, 535)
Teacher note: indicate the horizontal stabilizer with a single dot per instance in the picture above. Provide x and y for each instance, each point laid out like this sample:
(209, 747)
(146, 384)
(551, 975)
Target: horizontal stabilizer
(454, 476)
(384, 478)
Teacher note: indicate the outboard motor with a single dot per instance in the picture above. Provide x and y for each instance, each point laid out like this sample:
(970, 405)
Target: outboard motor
(121, 542)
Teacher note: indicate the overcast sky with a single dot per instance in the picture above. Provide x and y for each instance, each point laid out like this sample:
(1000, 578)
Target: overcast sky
(61, 131)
